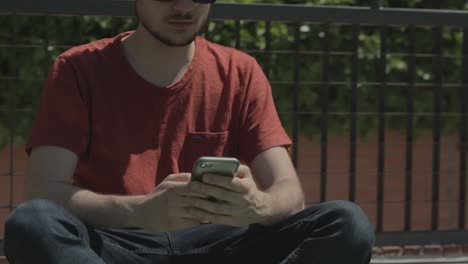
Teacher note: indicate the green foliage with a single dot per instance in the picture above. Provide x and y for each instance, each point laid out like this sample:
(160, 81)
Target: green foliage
(29, 44)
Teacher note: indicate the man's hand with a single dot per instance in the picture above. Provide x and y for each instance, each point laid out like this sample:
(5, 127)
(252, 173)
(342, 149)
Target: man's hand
(167, 207)
(239, 201)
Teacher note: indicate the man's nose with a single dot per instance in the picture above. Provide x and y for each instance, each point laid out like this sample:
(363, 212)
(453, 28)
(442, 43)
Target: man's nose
(183, 6)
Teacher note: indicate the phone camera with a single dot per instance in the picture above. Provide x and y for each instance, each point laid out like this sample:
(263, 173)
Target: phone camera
(205, 165)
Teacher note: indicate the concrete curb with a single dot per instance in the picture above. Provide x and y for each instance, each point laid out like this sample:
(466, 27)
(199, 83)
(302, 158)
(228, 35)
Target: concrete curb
(422, 260)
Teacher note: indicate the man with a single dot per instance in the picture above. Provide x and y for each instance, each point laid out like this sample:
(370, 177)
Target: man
(121, 122)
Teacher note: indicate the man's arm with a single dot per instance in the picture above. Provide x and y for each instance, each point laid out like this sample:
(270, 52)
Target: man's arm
(275, 175)
(50, 177)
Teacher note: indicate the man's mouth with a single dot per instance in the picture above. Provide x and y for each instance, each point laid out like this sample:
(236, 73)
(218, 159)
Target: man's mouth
(181, 22)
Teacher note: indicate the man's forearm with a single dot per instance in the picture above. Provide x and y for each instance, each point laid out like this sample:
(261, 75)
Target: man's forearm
(97, 210)
(284, 198)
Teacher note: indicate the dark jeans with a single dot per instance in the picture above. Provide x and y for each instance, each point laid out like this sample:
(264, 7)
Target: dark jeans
(337, 232)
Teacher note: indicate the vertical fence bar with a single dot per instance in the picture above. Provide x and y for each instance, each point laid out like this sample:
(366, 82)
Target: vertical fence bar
(11, 110)
(353, 114)
(206, 34)
(81, 29)
(377, 4)
(238, 34)
(114, 26)
(324, 114)
(381, 127)
(48, 61)
(297, 89)
(463, 132)
(46, 44)
(410, 126)
(438, 72)
(267, 48)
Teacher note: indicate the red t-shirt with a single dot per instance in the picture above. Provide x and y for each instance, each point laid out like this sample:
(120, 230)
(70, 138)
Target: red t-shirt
(130, 134)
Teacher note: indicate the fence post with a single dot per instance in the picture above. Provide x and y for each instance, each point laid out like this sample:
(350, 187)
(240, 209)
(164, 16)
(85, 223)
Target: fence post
(377, 4)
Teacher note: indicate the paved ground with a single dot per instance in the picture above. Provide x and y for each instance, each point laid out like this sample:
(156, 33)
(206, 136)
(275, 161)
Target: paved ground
(422, 260)
(428, 254)
(388, 261)
(433, 254)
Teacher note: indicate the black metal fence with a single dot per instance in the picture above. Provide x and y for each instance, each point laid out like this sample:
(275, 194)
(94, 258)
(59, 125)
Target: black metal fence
(318, 119)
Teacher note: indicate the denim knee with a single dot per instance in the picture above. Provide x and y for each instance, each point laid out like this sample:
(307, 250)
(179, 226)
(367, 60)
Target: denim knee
(30, 222)
(357, 231)
(40, 231)
(31, 216)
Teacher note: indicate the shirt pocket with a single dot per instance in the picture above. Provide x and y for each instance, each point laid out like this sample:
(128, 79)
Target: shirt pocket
(198, 144)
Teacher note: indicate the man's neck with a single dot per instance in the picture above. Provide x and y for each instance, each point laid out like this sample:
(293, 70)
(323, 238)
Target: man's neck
(154, 61)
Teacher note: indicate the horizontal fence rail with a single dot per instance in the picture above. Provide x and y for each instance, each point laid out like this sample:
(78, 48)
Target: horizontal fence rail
(256, 12)
(324, 21)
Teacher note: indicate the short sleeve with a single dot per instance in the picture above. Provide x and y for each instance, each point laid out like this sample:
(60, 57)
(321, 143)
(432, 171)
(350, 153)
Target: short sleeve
(261, 128)
(62, 118)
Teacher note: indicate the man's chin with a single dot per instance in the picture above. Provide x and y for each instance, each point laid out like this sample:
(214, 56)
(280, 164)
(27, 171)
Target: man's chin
(174, 42)
(177, 43)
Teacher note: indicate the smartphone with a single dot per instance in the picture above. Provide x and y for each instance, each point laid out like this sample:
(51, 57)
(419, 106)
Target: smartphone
(214, 165)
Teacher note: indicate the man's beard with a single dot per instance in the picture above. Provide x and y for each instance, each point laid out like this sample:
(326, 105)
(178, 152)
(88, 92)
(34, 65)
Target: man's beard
(167, 40)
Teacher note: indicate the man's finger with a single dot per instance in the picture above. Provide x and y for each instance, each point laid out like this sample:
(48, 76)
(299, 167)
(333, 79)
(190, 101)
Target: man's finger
(244, 172)
(228, 183)
(215, 207)
(219, 193)
(179, 177)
